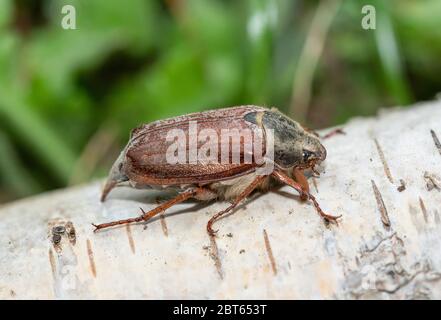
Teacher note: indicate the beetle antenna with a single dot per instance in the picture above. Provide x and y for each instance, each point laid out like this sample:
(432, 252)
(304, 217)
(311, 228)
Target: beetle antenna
(315, 171)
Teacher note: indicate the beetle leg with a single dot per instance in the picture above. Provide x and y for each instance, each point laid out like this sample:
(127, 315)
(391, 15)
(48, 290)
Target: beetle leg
(253, 185)
(299, 176)
(149, 214)
(326, 136)
(281, 176)
(333, 133)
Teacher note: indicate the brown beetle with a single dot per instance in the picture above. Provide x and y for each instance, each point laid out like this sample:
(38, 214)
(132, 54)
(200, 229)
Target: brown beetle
(145, 161)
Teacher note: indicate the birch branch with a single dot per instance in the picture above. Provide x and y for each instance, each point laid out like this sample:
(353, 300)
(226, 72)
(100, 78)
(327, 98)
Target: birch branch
(383, 176)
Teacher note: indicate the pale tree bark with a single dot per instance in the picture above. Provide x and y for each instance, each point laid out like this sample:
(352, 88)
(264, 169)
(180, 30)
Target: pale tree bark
(383, 177)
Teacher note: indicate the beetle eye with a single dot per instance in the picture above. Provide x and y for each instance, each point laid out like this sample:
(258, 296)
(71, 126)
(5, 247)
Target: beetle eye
(306, 155)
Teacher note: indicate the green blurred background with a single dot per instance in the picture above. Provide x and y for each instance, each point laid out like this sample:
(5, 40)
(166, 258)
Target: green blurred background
(68, 98)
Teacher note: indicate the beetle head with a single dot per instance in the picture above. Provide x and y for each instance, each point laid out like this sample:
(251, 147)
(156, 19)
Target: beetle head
(117, 175)
(293, 145)
(303, 152)
(313, 152)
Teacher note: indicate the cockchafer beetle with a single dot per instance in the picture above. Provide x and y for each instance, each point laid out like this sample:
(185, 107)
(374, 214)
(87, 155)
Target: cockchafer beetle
(144, 161)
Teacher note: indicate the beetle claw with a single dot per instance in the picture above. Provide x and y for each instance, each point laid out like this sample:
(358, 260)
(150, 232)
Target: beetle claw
(331, 219)
(96, 227)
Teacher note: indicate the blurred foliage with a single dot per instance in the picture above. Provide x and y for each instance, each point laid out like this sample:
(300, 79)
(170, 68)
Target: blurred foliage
(68, 98)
